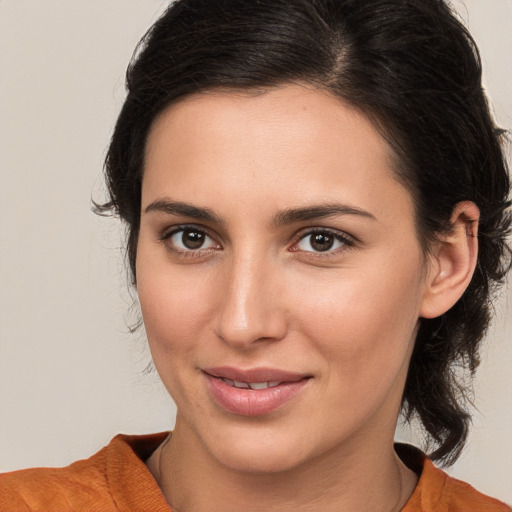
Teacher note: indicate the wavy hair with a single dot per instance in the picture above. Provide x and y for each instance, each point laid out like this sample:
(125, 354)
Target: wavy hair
(414, 70)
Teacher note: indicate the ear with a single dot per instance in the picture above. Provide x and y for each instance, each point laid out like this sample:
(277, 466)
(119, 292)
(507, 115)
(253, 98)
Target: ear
(452, 262)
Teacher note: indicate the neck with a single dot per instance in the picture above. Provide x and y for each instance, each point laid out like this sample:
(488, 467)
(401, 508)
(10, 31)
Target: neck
(356, 476)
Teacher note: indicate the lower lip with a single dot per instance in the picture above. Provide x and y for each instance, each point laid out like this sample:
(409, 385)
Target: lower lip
(252, 402)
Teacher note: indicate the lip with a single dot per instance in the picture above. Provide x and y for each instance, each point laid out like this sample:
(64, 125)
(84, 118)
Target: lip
(261, 374)
(249, 402)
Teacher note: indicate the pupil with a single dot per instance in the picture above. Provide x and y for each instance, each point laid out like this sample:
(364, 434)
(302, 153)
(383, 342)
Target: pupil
(192, 239)
(322, 242)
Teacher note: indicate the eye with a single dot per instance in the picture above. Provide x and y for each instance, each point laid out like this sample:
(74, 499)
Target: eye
(323, 241)
(189, 239)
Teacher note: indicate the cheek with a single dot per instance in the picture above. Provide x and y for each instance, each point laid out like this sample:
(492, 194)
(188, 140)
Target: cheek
(364, 321)
(174, 307)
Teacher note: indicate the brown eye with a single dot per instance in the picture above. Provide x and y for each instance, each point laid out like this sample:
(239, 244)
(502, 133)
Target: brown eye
(192, 239)
(323, 241)
(187, 239)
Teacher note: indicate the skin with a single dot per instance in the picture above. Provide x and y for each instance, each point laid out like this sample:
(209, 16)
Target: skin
(257, 293)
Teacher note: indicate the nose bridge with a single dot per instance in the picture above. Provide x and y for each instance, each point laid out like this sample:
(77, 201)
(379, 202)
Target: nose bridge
(250, 310)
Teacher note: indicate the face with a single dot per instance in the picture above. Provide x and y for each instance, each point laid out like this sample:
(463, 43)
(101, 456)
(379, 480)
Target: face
(279, 274)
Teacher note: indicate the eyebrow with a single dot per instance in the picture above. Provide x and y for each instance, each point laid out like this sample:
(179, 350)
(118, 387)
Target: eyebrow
(185, 209)
(318, 212)
(288, 216)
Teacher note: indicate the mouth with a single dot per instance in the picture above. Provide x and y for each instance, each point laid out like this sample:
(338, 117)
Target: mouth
(251, 385)
(253, 392)
(254, 375)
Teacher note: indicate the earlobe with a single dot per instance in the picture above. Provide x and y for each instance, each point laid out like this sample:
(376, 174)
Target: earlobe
(453, 262)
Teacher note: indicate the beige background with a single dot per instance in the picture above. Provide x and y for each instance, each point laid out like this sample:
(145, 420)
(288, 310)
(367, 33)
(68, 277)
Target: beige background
(71, 376)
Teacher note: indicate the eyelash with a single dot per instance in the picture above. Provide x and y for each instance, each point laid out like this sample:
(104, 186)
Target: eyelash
(345, 239)
(347, 242)
(190, 253)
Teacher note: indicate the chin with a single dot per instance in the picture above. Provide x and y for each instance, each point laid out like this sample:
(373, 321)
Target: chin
(255, 450)
(274, 459)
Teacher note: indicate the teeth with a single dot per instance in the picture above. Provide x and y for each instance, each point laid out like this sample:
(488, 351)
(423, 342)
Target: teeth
(252, 385)
(258, 385)
(264, 385)
(236, 383)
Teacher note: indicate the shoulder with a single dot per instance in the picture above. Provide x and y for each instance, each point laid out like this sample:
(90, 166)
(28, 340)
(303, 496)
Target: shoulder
(466, 498)
(92, 484)
(438, 492)
(56, 488)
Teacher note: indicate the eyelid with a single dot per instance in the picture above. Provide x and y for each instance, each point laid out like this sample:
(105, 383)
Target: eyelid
(176, 228)
(349, 241)
(170, 231)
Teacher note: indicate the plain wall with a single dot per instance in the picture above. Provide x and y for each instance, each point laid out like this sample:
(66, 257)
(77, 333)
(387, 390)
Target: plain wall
(71, 376)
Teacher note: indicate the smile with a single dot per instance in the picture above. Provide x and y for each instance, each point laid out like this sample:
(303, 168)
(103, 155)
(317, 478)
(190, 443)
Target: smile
(254, 392)
(251, 385)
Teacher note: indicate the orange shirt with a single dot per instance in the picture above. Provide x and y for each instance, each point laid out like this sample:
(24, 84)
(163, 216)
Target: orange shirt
(117, 480)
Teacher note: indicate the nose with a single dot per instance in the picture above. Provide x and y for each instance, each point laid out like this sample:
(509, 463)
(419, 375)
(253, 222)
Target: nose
(251, 305)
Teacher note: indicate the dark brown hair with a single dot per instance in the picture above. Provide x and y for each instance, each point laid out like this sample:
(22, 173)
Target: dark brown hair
(415, 71)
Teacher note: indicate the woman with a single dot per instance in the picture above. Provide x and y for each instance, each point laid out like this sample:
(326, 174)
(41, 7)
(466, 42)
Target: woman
(308, 187)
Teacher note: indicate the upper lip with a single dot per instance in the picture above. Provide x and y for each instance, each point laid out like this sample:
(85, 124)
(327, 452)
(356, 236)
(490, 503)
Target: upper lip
(261, 374)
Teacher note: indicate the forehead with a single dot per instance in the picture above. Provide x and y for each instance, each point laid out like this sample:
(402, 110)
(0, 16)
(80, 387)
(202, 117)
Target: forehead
(298, 141)
(303, 106)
